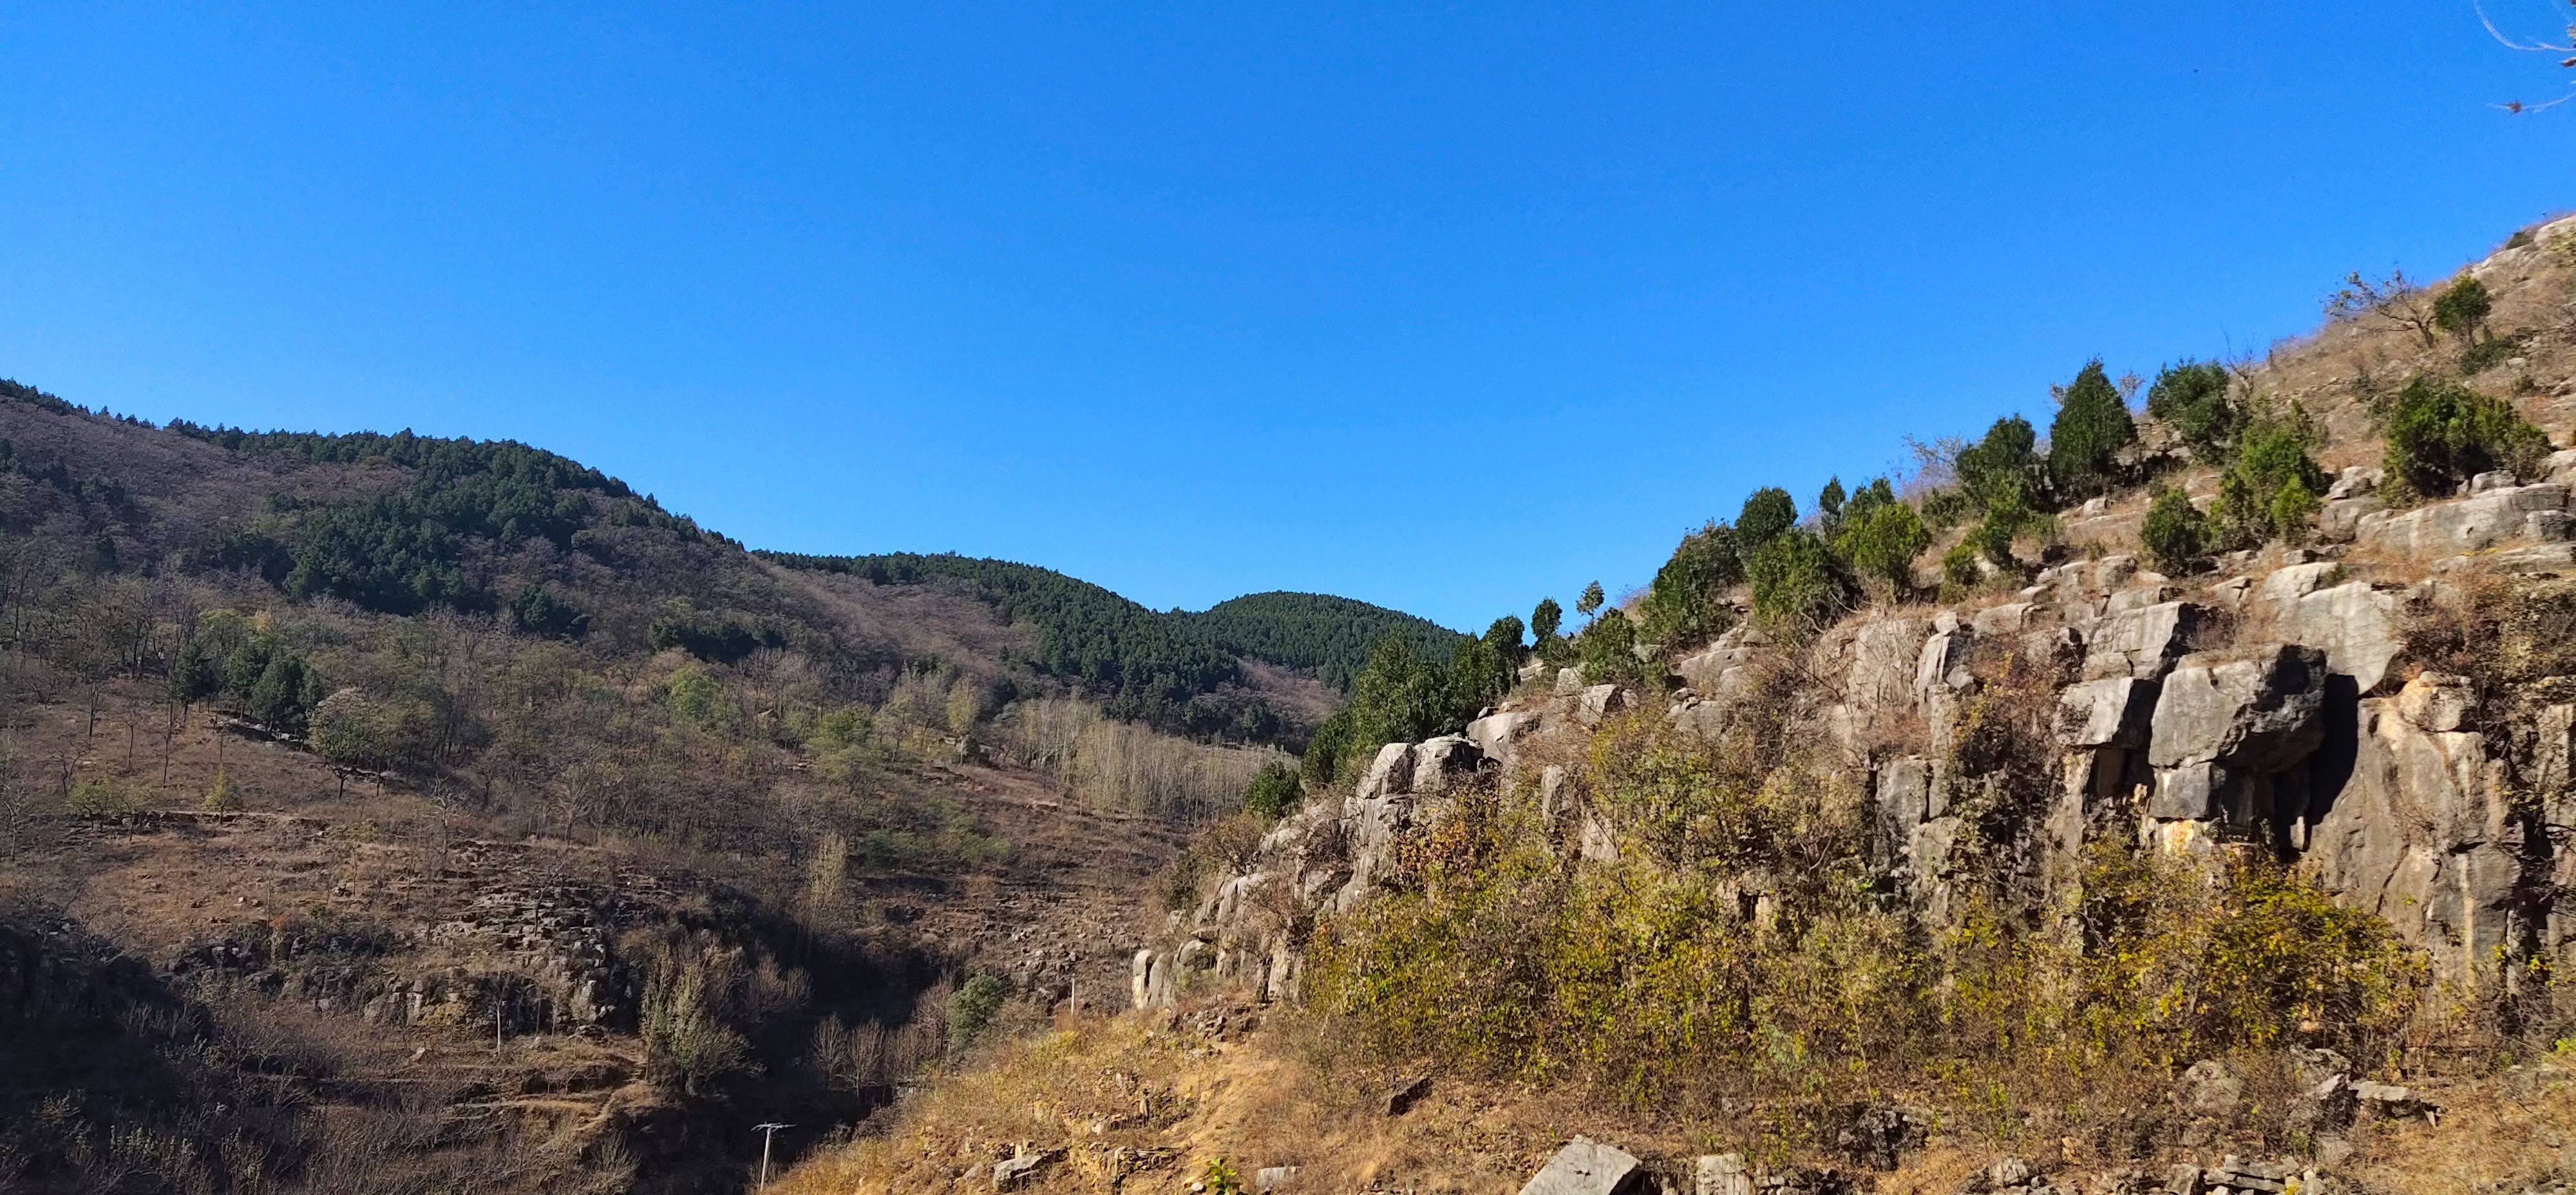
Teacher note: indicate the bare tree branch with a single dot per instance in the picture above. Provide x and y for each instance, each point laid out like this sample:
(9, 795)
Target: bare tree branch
(2566, 46)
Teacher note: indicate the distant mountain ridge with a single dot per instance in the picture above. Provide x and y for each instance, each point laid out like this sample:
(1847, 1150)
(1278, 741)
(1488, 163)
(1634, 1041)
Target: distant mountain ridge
(406, 524)
(1148, 659)
(1330, 636)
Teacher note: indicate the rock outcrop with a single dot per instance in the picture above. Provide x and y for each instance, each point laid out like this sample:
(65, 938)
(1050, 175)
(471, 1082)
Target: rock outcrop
(1587, 1167)
(2274, 709)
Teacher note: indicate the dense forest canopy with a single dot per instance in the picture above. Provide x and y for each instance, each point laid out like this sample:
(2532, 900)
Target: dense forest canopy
(1329, 636)
(406, 524)
(1171, 668)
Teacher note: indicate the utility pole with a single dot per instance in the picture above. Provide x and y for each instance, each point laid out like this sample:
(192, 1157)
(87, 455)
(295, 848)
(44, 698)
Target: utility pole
(768, 1133)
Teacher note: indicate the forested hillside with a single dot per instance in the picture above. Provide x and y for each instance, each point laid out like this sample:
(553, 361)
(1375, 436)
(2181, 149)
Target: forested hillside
(1169, 668)
(559, 840)
(1330, 636)
(404, 524)
(2168, 794)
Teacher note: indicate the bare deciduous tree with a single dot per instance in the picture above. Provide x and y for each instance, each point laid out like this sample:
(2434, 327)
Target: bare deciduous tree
(2561, 46)
(2395, 300)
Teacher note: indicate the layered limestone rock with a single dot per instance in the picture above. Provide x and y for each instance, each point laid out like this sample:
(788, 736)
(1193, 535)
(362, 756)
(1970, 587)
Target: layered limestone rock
(2420, 831)
(2307, 734)
(2480, 521)
(2226, 735)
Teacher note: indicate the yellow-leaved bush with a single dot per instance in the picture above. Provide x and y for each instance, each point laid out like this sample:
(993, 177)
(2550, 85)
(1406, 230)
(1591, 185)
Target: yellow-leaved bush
(1745, 944)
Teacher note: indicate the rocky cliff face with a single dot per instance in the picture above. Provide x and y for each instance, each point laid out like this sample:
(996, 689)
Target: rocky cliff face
(2280, 704)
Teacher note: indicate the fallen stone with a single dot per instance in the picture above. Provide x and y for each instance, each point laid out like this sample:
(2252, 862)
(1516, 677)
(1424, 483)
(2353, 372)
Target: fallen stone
(1721, 1174)
(2327, 1107)
(1587, 1167)
(1885, 655)
(2209, 1087)
(2339, 521)
(2297, 581)
(2360, 628)
(1444, 761)
(2389, 1100)
(1943, 666)
(1390, 772)
(2011, 618)
(1015, 1171)
(1401, 1098)
(2137, 599)
(1598, 703)
(2353, 482)
(1499, 735)
(1271, 1180)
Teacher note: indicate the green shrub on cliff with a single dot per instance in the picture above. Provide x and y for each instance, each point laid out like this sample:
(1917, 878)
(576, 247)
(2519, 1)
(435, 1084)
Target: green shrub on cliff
(2272, 487)
(1687, 604)
(2091, 427)
(1798, 583)
(2440, 434)
(2175, 534)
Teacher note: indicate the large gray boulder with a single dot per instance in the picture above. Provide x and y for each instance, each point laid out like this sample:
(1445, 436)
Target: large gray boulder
(2143, 643)
(2339, 520)
(1943, 665)
(1911, 791)
(1705, 671)
(2257, 715)
(2292, 582)
(2422, 835)
(1595, 704)
(1498, 735)
(1374, 816)
(1390, 772)
(1721, 1174)
(1016, 1171)
(1587, 1167)
(2192, 792)
(1884, 655)
(1439, 764)
(2463, 525)
(2437, 701)
(2115, 711)
(2012, 618)
(2361, 629)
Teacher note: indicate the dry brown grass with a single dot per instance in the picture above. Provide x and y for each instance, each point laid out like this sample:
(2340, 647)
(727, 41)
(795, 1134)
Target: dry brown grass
(1179, 1100)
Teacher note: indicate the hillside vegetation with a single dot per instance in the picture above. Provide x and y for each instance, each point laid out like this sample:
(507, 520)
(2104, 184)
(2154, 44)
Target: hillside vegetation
(451, 804)
(1175, 669)
(2168, 793)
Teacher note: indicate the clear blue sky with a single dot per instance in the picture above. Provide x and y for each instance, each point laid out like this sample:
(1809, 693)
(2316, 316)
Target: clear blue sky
(1448, 308)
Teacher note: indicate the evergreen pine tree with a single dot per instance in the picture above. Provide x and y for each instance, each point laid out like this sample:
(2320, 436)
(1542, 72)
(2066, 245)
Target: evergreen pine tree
(2092, 424)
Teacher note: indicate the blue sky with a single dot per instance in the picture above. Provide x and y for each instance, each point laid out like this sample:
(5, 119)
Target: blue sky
(1442, 307)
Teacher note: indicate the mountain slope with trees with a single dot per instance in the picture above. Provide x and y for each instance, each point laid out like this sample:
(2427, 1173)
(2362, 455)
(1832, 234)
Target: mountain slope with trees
(558, 840)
